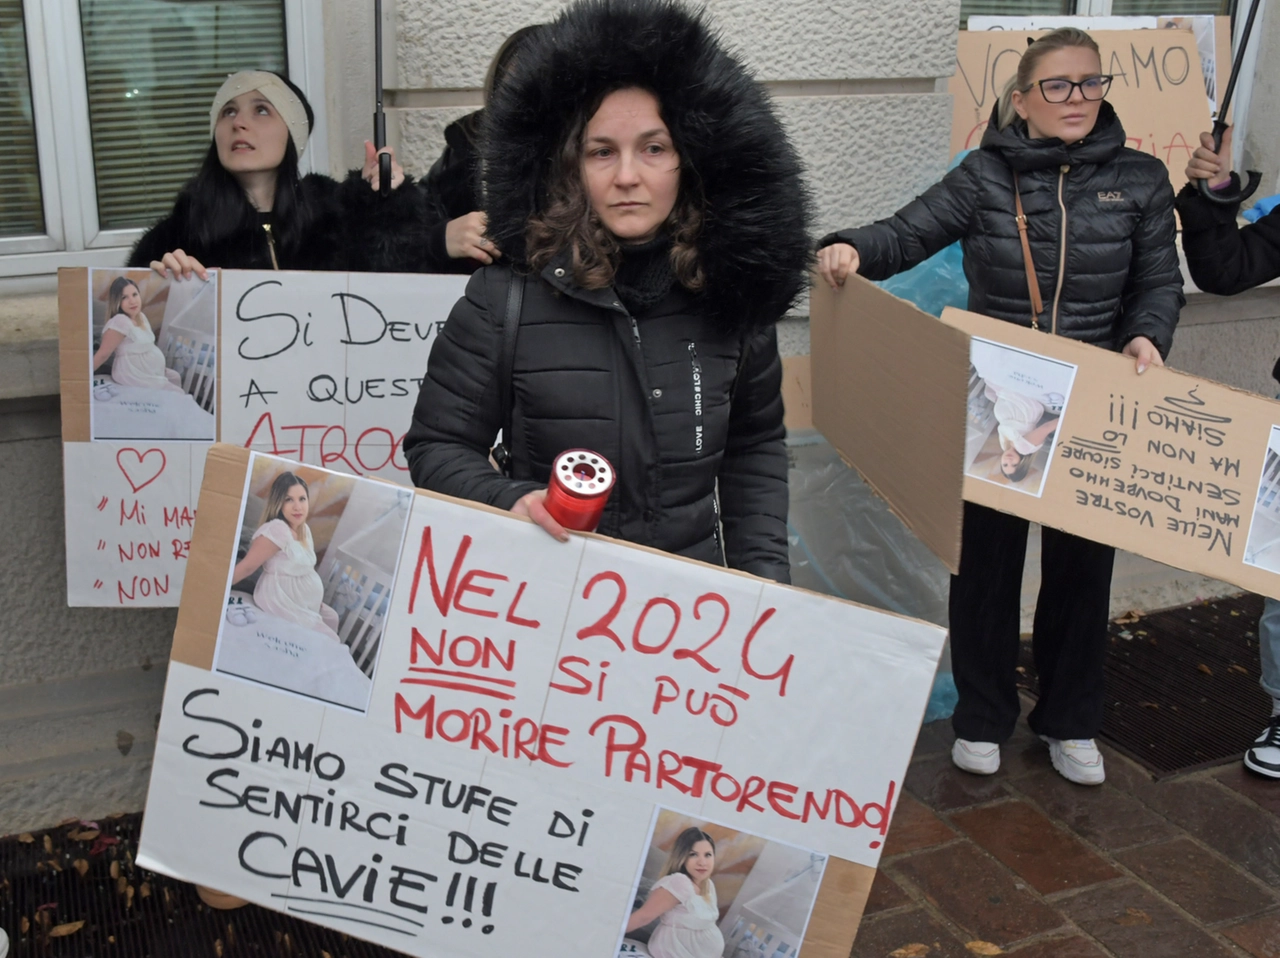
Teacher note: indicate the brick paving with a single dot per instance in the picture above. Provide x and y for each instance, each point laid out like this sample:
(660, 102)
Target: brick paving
(1038, 867)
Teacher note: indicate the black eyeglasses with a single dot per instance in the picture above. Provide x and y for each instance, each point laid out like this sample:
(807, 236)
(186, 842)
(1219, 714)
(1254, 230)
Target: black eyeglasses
(1059, 91)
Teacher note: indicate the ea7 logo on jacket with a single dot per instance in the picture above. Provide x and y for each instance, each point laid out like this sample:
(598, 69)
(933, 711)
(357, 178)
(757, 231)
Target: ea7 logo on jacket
(1110, 196)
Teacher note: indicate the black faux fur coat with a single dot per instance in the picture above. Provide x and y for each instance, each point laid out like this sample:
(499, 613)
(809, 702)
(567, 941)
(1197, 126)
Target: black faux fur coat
(354, 229)
(754, 246)
(682, 396)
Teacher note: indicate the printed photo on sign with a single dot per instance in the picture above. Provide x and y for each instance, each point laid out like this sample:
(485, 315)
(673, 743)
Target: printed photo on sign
(308, 594)
(1016, 400)
(1262, 549)
(153, 356)
(709, 891)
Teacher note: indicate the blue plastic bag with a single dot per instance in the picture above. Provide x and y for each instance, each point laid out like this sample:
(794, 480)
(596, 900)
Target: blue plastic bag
(939, 281)
(1262, 208)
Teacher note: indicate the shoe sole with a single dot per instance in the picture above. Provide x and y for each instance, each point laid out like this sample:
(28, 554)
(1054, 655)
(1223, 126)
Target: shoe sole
(1057, 767)
(974, 770)
(1268, 771)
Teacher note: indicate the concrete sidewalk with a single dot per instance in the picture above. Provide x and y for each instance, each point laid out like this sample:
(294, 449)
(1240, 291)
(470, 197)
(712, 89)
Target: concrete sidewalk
(1041, 868)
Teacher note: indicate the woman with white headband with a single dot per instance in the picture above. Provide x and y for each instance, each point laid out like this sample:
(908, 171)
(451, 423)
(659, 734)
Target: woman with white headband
(248, 207)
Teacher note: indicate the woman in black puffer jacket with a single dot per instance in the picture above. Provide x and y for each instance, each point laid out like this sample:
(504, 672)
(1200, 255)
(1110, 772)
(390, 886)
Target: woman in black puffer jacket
(653, 206)
(248, 207)
(1099, 220)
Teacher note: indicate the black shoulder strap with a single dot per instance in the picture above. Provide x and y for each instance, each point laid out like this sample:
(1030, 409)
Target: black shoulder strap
(506, 364)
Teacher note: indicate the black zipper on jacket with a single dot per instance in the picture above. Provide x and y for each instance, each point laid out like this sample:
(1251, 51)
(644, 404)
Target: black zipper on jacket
(697, 398)
(271, 246)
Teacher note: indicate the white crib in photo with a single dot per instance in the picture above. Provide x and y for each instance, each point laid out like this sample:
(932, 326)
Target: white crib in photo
(193, 356)
(360, 593)
(1264, 534)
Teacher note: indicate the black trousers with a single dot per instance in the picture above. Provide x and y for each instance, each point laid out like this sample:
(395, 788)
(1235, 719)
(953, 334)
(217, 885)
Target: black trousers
(1069, 639)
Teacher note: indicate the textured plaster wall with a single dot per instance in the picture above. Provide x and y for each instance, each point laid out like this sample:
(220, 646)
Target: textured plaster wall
(442, 45)
(875, 135)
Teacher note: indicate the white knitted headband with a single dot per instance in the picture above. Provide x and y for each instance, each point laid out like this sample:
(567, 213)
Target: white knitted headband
(276, 92)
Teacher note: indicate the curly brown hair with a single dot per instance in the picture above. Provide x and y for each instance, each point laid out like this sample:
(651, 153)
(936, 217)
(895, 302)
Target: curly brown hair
(568, 221)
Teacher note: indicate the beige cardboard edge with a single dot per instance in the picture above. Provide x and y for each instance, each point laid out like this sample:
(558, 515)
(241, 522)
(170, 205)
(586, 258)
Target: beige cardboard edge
(73, 352)
(845, 885)
(837, 913)
(797, 393)
(904, 436)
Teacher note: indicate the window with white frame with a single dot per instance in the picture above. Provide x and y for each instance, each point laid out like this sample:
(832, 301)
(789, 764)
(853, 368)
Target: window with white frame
(105, 107)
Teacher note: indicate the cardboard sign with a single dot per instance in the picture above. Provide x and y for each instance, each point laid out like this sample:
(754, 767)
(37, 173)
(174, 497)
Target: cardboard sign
(1176, 468)
(1157, 92)
(893, 409)
(524, 731)
(323, 367)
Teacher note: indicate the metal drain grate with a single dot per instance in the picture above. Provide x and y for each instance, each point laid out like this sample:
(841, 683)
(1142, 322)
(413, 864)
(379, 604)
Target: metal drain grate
(1182, 685)
(75, 892)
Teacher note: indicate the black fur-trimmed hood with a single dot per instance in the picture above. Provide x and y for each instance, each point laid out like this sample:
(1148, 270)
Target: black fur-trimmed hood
(754, 243)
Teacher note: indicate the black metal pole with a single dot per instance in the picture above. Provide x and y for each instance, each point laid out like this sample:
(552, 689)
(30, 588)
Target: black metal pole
(384, 162)
(1231, 197)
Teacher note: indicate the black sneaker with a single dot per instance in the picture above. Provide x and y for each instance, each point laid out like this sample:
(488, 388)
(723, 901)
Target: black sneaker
(1264, 757)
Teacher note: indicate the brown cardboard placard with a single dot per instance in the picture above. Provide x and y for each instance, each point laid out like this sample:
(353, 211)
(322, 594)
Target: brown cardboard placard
(1157, 92)
(1165, 464)
(73, 352)
(889, 394)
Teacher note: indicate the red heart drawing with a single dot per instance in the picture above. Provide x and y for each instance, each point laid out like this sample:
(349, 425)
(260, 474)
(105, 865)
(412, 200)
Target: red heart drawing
(145, 474)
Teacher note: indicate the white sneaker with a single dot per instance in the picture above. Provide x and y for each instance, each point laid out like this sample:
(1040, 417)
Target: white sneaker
(4, 943)
(980, 758)
(1076, 759)
(1264, 757)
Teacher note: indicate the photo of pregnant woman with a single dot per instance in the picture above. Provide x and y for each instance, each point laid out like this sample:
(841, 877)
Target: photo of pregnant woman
(710, 891)
(153, 357)
(308, 593)
(1016, 401)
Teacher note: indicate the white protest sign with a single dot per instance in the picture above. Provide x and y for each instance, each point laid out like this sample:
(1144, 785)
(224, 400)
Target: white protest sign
(130, 508)
(325, 367)
(321, 366)
(536, 708)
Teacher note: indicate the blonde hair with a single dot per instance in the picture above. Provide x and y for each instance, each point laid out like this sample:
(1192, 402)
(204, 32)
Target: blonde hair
(680, 853)
(1063, 38)
(274, 509)
(116, 293)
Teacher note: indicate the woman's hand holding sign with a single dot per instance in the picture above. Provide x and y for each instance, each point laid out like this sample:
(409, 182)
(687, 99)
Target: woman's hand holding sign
(836, 262)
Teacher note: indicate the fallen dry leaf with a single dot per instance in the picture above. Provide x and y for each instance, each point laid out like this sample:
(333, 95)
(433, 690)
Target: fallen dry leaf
(1238, 668)
(54, 865)
(26, 838)
(1205, 669)
(82, 866)
(48, 845)
(68, 821)
(121, 884)
(26, 924)
(128, 898)
(217, 947)
(144, 890)
(983, 948)
(1133, 615)
(115, 870)
(86, 835)
(1133, 916)
(913, 950)
(70, 928)
(1149, 705)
